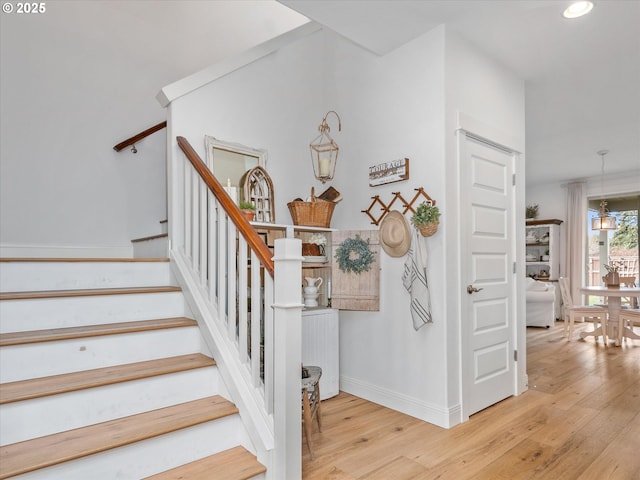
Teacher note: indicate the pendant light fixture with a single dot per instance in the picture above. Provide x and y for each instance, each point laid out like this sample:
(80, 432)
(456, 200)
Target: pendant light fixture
(604, 220)
(324, 151)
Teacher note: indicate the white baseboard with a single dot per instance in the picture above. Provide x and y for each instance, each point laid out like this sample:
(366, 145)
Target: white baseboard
(442, 417)
(65, 251)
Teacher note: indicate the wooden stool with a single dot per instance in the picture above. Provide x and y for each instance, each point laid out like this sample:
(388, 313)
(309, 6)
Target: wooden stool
(311, 403)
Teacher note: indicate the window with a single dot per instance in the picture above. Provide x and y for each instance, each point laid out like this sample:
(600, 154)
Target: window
(620, 245)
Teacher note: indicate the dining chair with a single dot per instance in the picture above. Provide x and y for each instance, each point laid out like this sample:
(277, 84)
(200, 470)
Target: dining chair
(580, 311)
(630, 317)
(311, 403)
(629, 302)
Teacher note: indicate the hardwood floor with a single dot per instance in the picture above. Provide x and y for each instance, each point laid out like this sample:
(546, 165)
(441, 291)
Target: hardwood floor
(580, 419)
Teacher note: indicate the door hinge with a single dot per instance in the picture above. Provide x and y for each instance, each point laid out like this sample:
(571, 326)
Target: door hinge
(514, 267)
(515, 355)
(513, 179)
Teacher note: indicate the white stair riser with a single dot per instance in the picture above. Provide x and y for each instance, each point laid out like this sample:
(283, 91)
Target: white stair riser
(55, 413)
(154, 248)
(32, 276)
(39, 314)
(148, 457)
(21, 362)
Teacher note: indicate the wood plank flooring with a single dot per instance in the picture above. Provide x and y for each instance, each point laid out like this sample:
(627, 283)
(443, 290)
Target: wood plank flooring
(580, 419)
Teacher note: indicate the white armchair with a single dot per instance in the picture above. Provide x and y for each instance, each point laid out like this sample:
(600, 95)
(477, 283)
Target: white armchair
(541, 299)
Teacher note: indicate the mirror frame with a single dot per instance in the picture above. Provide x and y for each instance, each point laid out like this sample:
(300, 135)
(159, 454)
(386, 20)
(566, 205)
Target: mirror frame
(212, 143)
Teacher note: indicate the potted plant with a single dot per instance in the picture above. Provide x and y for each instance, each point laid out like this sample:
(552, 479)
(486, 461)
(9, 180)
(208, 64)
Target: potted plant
(612, 278)
(545, 257)
(248, 210)
(532, 211)
(426, 219)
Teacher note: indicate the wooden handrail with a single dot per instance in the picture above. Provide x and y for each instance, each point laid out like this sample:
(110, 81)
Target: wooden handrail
(254, 241)
(136, 138)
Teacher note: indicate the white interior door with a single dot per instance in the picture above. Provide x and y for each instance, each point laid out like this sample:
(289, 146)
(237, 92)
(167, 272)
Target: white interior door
(488, 279)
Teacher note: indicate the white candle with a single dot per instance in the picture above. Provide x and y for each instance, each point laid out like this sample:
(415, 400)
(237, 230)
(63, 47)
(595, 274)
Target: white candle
(231, 191)
(329, 289)
(324, 165)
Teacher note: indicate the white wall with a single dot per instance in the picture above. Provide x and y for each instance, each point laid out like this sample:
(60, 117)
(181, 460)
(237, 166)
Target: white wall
(406, 104)
(273, 104)
(552, 198)
(391, 107)
(79, 79)
(487, 99)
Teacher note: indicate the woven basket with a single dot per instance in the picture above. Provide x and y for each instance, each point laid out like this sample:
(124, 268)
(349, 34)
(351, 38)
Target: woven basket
(310, 250)
(428, 229)
(316, 213)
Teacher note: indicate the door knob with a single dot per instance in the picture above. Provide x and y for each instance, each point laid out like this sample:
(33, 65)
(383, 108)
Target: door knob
(471, 289)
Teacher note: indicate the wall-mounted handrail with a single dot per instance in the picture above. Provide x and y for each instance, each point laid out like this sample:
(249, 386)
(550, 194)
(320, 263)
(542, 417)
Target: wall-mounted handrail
(254, 241)
(136, 138)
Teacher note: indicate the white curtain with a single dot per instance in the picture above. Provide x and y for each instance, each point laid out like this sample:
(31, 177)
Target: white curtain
(576, 238)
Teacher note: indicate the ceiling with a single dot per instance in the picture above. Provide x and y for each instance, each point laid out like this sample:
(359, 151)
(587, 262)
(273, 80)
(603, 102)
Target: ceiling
(582, 76)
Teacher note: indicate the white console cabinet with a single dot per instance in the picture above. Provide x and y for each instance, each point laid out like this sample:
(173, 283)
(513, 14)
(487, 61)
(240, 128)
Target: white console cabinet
(321, 347)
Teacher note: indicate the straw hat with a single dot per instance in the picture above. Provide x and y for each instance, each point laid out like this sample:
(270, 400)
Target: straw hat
(395, 234)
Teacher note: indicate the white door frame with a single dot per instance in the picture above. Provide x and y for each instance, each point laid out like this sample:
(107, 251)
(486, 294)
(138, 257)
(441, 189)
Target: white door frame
(476, 130)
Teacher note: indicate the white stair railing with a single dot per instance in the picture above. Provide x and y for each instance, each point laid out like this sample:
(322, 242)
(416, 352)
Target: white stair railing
(248, 306)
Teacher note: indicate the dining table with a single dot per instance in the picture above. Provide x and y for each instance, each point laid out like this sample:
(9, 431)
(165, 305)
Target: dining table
(614, 296)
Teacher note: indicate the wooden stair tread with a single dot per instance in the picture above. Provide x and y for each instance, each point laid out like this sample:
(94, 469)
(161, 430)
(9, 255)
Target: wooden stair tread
(233, 464)
(152, 237)
(69, 382)
(30, 455)
(54, 334)
(82, 260)
(85, 293)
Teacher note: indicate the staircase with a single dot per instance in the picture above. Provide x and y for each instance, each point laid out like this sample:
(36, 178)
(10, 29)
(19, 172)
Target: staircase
(103, 375)
(152, 246)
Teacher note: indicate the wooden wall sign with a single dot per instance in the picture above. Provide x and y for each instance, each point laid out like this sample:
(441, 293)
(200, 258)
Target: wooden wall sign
(356, 291)
(389, 172)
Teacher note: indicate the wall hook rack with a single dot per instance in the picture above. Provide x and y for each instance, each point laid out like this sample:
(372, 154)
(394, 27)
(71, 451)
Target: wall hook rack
(406, 206)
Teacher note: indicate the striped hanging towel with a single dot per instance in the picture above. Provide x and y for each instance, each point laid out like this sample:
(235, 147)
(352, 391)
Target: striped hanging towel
(415, 281)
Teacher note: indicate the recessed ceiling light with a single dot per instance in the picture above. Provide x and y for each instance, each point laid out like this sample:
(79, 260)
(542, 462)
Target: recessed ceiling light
(577, 9)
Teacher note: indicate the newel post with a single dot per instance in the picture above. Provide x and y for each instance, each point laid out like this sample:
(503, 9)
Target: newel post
(176, 163)
(287, 319)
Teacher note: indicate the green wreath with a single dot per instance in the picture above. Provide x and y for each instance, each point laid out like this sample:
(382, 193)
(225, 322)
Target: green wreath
(354, 255)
